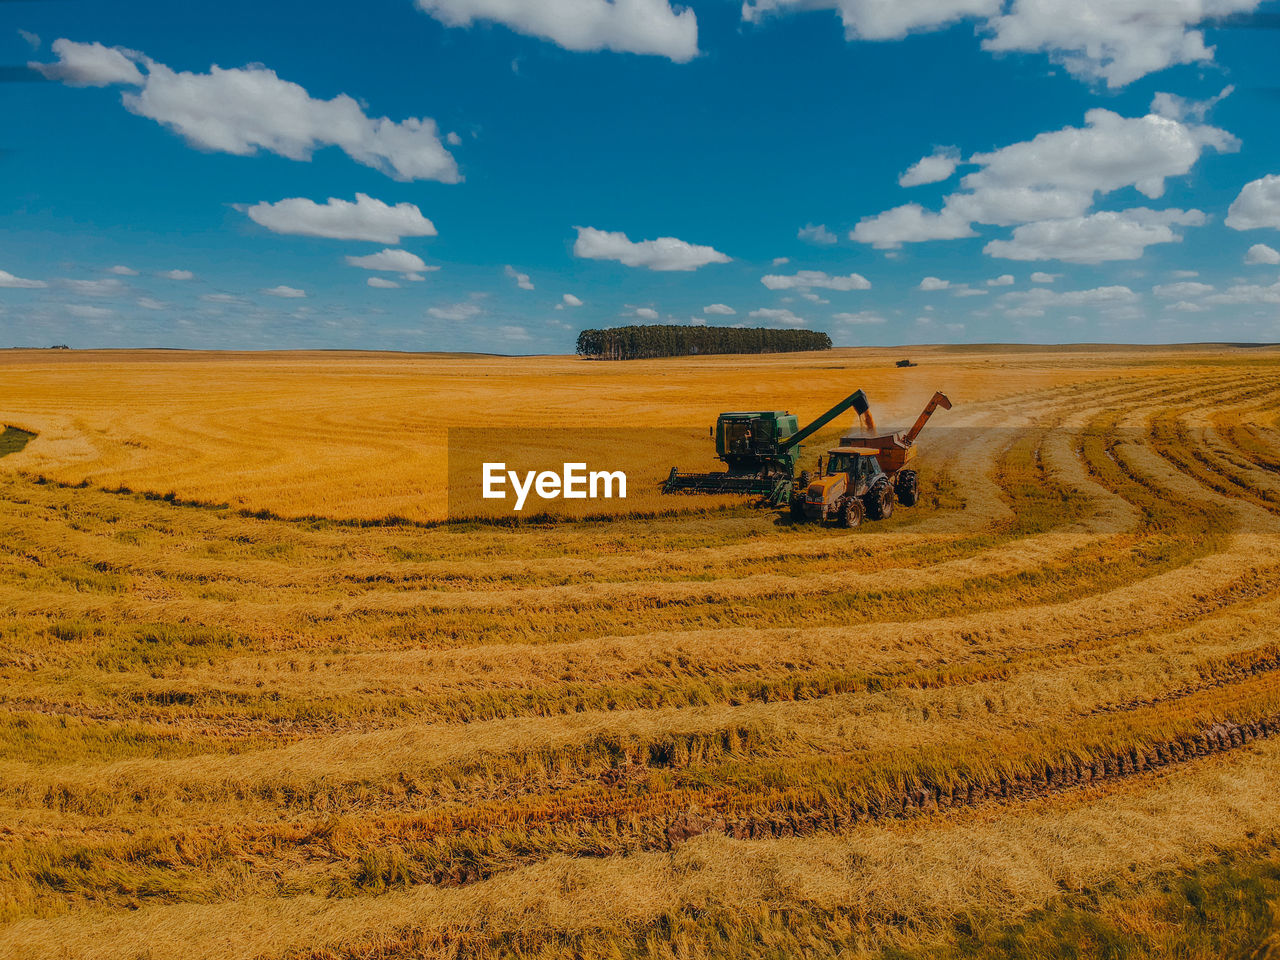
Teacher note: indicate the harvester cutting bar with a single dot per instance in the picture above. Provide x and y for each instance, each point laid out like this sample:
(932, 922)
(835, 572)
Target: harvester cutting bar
(772, 488)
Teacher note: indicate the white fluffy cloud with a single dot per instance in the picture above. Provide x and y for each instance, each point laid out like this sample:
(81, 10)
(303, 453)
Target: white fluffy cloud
(456, 312)
(382, 283)
(9, 281)
(719, 310)
(910, 223)
(514, 334)
(1033, 303)
(1054, 177)
(862, 318)
(1182, 290)
(286, 293)
(242, 111)
(91, 65)
(1004, 280)
(938, 166)
(781, 316)
(816, 234)
(1245, 294)
(366, 219)
(123, 271)
(522, 279)
(1257, 206)
(176, 275)
(881, 19)
(933, 283)
(1180, 108)
(1058, 173)
(807, 279)
(1116, 42)
(569, 300)
(665, 253)
(392, 261)
(86, 311)
(1261, 253)
(626, 26)
(645, 313)
(1096, 238)
(1041, 277)
(107, 287)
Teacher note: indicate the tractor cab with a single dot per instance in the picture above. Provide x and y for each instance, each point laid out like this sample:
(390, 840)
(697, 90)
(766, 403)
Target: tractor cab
(859, 463)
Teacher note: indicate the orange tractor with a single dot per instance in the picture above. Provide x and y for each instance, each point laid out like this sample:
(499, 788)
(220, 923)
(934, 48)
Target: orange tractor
(864, 475)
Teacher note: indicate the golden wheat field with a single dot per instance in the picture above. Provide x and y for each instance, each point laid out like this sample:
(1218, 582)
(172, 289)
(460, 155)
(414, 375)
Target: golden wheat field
(258, 702)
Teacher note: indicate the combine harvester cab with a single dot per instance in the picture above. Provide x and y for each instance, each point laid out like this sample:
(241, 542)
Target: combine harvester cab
(759, 450)
(866, 475)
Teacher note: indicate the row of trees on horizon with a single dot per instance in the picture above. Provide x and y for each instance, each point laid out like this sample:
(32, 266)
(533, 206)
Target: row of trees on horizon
(643, 341)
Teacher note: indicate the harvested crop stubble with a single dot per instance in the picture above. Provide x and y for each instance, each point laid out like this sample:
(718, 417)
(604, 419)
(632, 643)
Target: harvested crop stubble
(226, 733)
(925, 873)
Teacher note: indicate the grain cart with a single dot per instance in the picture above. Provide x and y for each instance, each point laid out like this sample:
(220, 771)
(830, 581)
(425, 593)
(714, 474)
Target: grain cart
(759, 450)
(865, 475)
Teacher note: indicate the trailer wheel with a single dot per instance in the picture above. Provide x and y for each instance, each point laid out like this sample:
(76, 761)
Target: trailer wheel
(908, 488)
(851, 513)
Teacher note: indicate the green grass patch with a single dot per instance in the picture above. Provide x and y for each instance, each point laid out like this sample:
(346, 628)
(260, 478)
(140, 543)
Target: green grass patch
(14, 439)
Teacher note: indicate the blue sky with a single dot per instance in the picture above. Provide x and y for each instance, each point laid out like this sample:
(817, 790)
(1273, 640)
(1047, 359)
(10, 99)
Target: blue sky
(521, 170)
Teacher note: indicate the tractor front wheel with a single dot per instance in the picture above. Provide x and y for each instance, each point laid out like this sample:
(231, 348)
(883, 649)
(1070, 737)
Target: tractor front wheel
(850, 513)
(797, 506)
(908, 488)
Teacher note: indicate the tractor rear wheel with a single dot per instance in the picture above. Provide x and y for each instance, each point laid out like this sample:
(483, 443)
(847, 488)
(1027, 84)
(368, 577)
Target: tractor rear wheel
(908, 488)
(850, 513)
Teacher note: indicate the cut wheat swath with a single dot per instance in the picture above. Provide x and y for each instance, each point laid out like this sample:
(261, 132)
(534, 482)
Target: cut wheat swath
(259, 700)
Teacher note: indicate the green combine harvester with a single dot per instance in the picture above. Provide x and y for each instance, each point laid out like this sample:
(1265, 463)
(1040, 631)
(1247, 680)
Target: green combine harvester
(760, 450)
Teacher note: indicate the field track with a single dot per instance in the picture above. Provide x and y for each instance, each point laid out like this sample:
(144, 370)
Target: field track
(227, 733)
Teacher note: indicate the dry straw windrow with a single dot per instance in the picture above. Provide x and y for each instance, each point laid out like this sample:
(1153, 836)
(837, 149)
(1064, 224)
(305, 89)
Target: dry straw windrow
(258, 702)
